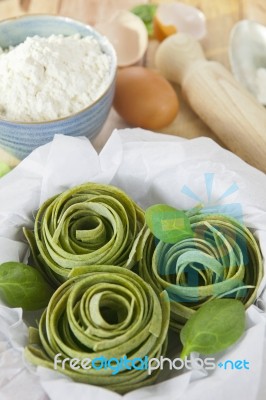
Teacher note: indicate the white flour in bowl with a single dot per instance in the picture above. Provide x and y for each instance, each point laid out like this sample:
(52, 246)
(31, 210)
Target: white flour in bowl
(44, 79)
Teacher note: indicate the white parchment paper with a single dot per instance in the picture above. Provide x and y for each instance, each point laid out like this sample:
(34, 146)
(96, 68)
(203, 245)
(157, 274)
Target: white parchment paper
(152, 168)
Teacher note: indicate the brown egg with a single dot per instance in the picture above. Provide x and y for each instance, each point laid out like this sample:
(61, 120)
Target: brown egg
(144, 98)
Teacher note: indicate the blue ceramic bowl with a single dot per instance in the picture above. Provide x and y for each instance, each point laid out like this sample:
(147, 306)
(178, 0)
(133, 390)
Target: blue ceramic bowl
(19, 138)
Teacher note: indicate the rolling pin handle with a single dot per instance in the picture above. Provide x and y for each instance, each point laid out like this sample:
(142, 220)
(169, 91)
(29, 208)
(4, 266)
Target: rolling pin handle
(233, 114)
(176, 55)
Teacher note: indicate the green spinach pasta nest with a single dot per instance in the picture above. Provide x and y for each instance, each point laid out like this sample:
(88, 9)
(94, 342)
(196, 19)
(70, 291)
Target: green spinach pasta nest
(102, 312)
(85, 225)
(221, 259)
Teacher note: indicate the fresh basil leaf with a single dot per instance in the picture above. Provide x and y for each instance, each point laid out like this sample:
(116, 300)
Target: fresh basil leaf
(4, 169)
(167, 223)
(146, 13)
(213, 327)
(23, 286)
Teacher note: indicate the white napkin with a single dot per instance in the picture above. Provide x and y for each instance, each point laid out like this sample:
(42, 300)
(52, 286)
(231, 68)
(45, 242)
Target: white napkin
(152, 168)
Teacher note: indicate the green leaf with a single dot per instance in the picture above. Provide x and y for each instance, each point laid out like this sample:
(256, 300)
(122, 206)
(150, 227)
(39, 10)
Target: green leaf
(214, 327)
(4, 169)
(167, 223)
(23, 286)
(146, 13)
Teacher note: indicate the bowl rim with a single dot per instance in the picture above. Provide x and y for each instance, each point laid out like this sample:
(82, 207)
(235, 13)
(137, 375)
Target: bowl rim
(102, 39)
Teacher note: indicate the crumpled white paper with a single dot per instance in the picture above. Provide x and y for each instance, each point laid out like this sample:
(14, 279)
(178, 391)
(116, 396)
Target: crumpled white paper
(152, 168)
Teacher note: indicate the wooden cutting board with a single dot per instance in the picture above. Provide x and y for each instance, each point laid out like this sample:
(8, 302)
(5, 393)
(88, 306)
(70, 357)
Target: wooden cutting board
(221, 16)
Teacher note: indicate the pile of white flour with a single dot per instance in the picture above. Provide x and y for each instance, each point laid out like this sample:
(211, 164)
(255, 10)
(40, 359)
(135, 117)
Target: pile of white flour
(44, 79)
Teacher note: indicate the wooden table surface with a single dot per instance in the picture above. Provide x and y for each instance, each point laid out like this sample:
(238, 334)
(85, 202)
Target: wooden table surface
(221, 16)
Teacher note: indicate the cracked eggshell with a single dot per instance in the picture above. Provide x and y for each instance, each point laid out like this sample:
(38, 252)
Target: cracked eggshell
(174, 17)
(128, 35)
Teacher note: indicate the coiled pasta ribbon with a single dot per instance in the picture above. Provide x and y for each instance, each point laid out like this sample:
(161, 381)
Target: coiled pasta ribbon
(102, 311)
(85, 225)
(221, 259)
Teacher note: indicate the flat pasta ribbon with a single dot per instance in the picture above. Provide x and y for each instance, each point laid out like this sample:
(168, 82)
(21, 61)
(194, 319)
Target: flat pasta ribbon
(85, 225)
(102, 311)
(221, 259)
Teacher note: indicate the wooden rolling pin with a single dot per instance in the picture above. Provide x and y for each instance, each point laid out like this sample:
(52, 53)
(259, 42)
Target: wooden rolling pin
(233, 114)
